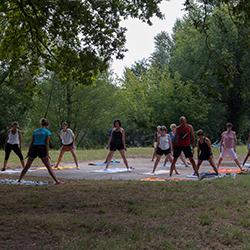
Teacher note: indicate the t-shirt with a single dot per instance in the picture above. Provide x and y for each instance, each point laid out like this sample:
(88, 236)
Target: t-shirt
(183, 134)
(172, 135)
(228, 139)
(67, 136)
(40, 135)
(164, 142)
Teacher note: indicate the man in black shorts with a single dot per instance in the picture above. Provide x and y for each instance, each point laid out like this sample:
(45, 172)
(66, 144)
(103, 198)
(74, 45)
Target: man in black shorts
(183, 140)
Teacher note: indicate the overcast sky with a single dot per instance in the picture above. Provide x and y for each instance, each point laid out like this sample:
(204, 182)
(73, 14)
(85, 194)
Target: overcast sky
(140, 36)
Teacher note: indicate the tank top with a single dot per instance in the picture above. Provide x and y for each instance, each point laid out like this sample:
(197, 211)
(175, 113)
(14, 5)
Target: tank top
(228, 139)
(116, 137)
(204, 149)
(13, 138)
(183, 136)
(164, 142)
(172, 135)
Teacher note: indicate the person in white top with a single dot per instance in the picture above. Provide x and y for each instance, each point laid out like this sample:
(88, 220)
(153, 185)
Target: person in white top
(13, 143)
(248, 148)
(163, 147)
(68, 143)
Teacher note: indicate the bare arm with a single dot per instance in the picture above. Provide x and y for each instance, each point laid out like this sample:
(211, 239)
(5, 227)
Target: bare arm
(208, 142)
(198, 150)
(20, 139)
(47, 144)
(123, 139)
(235, 141)
(170, 143)
(192, 136)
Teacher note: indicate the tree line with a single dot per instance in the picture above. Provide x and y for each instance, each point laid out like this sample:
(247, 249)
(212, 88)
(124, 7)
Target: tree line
(201, 71)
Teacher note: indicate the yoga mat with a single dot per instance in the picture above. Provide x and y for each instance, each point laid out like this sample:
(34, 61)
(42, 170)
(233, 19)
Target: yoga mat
(112, 170)
(191, 176)
(103, 163)
(157, 172)
(228, 171)
(27, 183)
(14, 171)
(59, 168)
(153, 179)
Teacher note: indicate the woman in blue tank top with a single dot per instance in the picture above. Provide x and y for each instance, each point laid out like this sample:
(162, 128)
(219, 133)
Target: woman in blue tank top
(39, 147)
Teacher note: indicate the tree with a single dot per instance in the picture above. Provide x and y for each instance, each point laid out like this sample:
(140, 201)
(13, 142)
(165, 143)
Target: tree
(75, 39)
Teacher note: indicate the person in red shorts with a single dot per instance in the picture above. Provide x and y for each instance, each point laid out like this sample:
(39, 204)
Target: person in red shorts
(184, 139)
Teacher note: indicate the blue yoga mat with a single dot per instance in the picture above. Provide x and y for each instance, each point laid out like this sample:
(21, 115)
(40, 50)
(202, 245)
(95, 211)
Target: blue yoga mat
(103, 163)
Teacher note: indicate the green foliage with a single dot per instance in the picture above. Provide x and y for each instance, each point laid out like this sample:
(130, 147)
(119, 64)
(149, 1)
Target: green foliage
(75, 39)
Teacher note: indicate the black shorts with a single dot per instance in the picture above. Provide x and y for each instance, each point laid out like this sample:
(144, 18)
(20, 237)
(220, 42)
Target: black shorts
(114, 147)
(38, 151)
(186, 150)
(161, 152)
(205, 156)
(15, 147)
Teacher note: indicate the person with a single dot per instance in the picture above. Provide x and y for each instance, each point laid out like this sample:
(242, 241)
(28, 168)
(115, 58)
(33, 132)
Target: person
(248, 148)
(183, 140)
(163, 147)
(39, 147)
(172, 135)
(68, 143)
(204, 151)
(156, 135)
(13, 143)
(117, 142)
(228, 145)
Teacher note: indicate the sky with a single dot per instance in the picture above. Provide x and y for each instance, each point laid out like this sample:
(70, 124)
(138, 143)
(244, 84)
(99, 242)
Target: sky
(140, 36)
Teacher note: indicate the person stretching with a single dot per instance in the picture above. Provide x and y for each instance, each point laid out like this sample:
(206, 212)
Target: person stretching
(248, 148)
(117, 142)
(228, 145)
(204, 151)
(68, 143)
(183, 140)
(156, 135)
(172, 135)
(163, 147)
(13, 143)
(39, 147)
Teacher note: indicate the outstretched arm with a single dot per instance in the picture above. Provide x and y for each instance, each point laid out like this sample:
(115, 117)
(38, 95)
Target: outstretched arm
(123, 139)
(192, 136)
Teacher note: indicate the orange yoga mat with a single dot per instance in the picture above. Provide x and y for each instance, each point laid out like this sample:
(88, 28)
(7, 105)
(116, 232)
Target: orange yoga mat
(166, 179)
(228, 171)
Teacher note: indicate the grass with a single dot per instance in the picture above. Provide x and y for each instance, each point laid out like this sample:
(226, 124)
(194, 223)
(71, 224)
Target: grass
(100, 154)
(127, 215)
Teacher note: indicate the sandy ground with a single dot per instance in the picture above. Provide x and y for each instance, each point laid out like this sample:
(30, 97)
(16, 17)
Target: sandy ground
(142, 169)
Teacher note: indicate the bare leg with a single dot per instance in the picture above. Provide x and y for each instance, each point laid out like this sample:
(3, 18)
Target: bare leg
(22, 162)
(123, 155)
(46, 162)
(26, 168)
(191, 159)
(158, 158)
(183, 159)
(167, 159)
(109, 157)
(199, 164)
(73, 152)
(173, 166)
(219, 163)
(211, 161)
(4, 165)
(248, 154)
(154, 154)
(59, 158)
(170, 159)
(238, 164)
